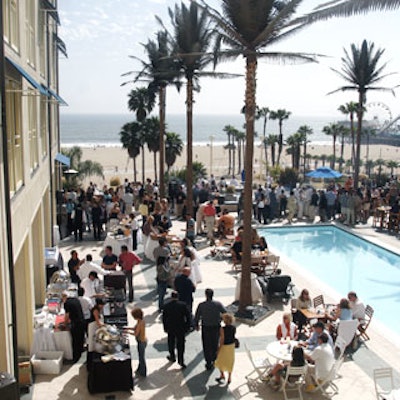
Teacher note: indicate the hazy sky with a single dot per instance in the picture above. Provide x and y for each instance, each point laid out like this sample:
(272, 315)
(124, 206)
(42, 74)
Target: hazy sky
(101, 34)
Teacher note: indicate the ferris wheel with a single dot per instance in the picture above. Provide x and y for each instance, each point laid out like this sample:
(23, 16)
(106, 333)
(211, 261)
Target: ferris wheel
(378, 114)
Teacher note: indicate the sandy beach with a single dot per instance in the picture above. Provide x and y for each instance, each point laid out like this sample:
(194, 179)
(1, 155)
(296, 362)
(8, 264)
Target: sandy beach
(116, 162)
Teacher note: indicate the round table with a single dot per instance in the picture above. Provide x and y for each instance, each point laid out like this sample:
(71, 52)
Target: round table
(117, 241)
(280, 349)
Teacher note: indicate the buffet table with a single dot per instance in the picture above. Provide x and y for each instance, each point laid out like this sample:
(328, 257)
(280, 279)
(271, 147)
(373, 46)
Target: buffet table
(46, 339)
(116, 241)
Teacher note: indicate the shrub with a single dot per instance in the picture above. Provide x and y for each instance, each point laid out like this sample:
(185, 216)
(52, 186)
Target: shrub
(115, 181)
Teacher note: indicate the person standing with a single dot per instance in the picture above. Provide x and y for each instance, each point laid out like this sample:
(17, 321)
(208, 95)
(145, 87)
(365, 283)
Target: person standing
(226, 351)
(127, 259)
(134, 229)
(139, 331)
(161, 255)
(209, 312)
(190, 229)
(176, 320)
(74, 264)
(75, 319)
(96, 220)
(79, 220)
(185, 288)
(88, 266)
(110, 259)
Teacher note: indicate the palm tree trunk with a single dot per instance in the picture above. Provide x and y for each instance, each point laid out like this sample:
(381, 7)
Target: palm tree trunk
(189, 146)
(162, 143)
(334, 152)
(229, 154)
(239, 156)
(233, 156)
(358, 138)
(341, 154)
(155, 166)
(352, 137)
(265, 145)
(250, 105)
(134, 169)
(280, 142)
(142, 149)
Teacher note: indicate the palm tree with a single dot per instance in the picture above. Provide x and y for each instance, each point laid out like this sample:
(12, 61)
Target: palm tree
(160, 71)
(246, 28)
(240, 137)
(264, 112)
(391, 164)
(343, 133)
(294, 142)
(316, 159)
(229, 130)
(191, 40)
(350, 109)
(280, 115)
(152, 138)
(379, 163)
(173, 148)
(369, 165)
(305, 131)
(141, 101)
(360, 69)
(334, 131)
(323, 158)
(272, 140)
(130, 139)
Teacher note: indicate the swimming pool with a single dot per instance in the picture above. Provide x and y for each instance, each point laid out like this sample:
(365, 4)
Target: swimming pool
(344, 262)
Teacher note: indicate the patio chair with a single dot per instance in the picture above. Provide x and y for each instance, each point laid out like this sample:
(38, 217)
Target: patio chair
(279, 287)
(260, 365)
(362, 328)
(327, 387)
(272, 264)
(294, 382)
(319, 301)
(347, 330)
(383, 380)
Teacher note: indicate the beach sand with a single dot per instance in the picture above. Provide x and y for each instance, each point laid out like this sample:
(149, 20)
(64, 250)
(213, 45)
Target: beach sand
(116, 162)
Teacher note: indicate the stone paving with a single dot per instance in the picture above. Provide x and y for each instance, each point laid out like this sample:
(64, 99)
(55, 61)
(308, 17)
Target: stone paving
(167, 381)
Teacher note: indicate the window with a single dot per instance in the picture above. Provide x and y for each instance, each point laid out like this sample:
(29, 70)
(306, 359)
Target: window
(11, 23)
(30, 32)
(14, 134)
(32, 130)
(43, 124)
(42, 43)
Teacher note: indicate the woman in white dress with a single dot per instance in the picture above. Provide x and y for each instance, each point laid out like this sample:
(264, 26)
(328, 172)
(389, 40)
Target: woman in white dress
(190, 258)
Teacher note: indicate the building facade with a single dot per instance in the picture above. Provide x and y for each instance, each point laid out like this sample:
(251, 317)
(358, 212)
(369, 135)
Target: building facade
(29, 172)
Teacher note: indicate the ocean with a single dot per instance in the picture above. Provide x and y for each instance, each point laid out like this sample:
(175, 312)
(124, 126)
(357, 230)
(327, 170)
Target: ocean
(91, 130)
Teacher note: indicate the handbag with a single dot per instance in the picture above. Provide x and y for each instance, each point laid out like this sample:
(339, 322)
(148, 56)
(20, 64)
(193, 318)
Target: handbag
(237, 343)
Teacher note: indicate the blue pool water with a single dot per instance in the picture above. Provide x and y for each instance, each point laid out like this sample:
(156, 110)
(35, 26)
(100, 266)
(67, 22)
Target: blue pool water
(344, 262)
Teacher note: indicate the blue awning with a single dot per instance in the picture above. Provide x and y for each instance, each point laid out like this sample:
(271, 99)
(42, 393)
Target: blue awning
(57, 97)
(32, 81)
(63, 159)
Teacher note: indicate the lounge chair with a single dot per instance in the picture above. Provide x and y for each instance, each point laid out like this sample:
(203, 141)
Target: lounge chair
(279, 286)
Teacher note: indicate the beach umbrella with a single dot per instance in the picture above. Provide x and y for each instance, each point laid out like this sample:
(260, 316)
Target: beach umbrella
(325, 173)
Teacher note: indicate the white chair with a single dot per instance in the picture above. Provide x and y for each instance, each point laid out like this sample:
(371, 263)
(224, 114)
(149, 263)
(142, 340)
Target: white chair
(294, 381)
(327, 387)
(383, 380)
(260, 365)
(341, 345)
(347, 330)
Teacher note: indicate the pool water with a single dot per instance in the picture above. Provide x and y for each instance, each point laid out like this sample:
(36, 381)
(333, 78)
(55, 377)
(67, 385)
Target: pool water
(344, 262)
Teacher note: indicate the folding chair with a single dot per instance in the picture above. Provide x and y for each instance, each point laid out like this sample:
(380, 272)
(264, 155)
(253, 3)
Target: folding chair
(347, 330)
(383, 380)
(362, 328)
(260, 365)
(294, 381)
(318, 301)
(341, 345)
(327, 387)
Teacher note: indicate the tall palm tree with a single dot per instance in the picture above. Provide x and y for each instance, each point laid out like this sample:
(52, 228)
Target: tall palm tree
(323, 158)
(240, 136)
(173, 148)
(229, 130)
(263, 113)
(334, 131)
(369, 165)
(272, 141)
(361, 70)
(130, 139)
(380, 162)
(141, 101)
(280, 115)
(343, 133)
(304, 131)
(160, 70)
(391, 164)
(192, 38)
(152, 138)
(245, 28)
(350, 109)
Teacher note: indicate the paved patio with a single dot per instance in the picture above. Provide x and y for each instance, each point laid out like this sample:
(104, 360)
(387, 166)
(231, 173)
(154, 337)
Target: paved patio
(167, 381)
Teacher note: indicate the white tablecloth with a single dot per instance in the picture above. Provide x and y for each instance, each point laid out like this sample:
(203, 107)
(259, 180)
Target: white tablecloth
(116, 244)
(149, 247)
(280, 350)
(45, 339)
(256, 292)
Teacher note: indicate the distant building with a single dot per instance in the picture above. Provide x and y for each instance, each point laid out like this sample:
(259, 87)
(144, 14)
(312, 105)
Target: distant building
(29, 172)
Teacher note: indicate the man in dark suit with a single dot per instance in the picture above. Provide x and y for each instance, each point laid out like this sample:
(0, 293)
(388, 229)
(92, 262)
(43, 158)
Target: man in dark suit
(176, 321)
(185, 288)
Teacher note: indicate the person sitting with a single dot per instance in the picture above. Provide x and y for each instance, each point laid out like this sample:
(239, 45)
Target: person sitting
(226, 224)
(357, 307)
(342, 312)
(312, 342)
(302, 302)
(236, 249)
(280, 368)
(323, 359)
(262, 243)
(287, 329)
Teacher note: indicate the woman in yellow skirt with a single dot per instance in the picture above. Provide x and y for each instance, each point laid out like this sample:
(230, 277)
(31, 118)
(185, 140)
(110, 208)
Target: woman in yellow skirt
(226, 351)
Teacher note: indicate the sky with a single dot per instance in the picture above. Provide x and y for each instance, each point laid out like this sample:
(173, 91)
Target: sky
(101, 35)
